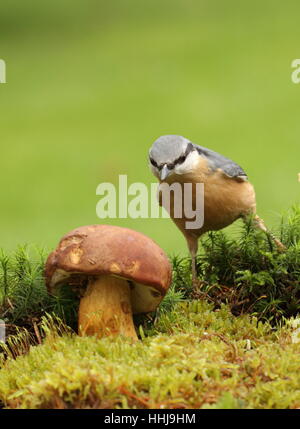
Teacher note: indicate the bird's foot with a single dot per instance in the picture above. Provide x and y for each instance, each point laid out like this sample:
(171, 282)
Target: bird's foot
(198, 289)
(280, 247)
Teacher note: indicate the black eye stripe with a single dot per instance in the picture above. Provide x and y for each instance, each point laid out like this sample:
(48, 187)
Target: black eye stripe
(179, 160)
(182, 158)
(153, 162)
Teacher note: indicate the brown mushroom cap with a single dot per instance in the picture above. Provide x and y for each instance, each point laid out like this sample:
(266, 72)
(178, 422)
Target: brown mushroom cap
(104, 249)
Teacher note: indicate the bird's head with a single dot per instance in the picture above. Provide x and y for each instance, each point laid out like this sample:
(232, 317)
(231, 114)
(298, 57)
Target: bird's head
(170, 155)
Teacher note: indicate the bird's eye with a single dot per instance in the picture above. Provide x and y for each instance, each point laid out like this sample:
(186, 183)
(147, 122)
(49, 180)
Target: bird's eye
(153, 162)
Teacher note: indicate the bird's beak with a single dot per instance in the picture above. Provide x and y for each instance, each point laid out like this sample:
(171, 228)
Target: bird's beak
(164, 172)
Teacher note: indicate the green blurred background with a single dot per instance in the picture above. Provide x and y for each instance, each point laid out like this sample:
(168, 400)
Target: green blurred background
(91, 84)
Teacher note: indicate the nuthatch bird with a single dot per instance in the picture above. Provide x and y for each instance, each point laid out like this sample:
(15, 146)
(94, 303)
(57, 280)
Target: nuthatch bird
(228, 195)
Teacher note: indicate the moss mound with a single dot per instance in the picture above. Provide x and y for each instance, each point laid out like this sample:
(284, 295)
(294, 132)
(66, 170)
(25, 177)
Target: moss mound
(193, 357)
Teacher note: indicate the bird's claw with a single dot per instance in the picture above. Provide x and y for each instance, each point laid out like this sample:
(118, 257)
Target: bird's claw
(280, 247)
(197, 289)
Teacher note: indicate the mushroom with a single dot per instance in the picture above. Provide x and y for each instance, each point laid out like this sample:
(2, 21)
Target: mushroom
(121, 271)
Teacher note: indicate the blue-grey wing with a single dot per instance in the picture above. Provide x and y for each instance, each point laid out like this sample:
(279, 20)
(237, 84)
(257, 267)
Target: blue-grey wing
(218, 161)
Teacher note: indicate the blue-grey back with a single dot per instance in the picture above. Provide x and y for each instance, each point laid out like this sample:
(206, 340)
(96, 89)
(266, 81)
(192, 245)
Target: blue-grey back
(216, 160)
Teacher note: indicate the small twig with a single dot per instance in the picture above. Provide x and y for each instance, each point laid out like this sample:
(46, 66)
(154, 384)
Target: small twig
(10, 303)
(37, 332)
(227, 342)
(124, 391)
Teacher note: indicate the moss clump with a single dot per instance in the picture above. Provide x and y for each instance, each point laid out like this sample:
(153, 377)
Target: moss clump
(24, 299)
(192, 354)
(193, 357)
(247, 272)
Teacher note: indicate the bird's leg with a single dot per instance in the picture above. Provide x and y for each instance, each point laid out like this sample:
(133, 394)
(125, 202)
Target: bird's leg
(192, 243)
(259, 223)
(194, 269)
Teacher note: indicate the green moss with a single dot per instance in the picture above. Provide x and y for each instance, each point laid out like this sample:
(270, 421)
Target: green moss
(23, 295)
(193, 357)
(247, 271)
(192, 354)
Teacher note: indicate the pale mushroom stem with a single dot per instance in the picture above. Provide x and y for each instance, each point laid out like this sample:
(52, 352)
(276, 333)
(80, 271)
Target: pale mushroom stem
(105, 308)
